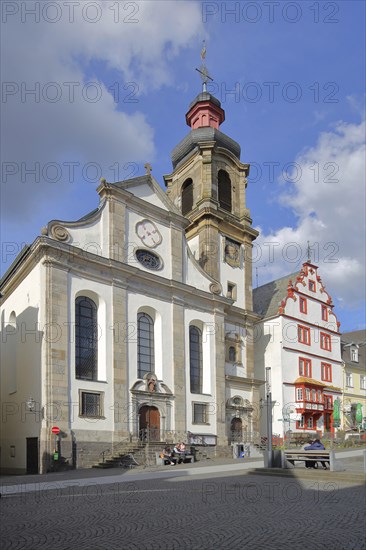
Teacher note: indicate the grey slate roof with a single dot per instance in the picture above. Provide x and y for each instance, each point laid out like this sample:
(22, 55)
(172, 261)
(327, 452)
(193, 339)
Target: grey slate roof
(354, 337)
(206, 133)
(267, 298)
(205, 96)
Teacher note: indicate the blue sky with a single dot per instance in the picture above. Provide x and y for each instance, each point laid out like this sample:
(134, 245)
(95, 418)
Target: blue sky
(114, 80)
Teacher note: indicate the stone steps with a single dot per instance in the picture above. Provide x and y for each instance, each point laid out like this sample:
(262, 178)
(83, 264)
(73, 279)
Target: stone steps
(120, 455)
(128, 455)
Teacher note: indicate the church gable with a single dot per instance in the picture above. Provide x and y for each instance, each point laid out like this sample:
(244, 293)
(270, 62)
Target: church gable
(126, 219)
(85, 233)
(147, 188)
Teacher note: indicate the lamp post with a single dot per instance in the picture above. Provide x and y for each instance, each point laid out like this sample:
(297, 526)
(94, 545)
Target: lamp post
(269, 415)
(31, 404)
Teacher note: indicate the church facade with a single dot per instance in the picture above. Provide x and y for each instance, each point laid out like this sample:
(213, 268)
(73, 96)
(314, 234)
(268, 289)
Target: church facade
(136, 321)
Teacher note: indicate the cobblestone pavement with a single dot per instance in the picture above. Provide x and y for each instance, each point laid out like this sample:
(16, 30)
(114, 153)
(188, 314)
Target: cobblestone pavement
(235, 512)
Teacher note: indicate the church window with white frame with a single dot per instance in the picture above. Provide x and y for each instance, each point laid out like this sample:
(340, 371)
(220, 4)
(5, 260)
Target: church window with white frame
(145, 345)
(195, 359)
(86, 339)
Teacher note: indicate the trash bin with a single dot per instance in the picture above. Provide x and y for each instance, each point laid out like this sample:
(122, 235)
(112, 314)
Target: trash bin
(193, 452)
(238, 450)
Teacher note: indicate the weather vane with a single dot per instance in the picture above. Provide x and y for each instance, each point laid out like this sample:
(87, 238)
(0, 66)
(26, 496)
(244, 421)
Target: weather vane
(309, 252)
(203, 69)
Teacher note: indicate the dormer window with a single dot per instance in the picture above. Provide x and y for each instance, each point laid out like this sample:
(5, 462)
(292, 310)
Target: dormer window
(354, 355)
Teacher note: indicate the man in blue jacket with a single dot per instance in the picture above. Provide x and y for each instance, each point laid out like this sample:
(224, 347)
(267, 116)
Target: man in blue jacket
(317, 445)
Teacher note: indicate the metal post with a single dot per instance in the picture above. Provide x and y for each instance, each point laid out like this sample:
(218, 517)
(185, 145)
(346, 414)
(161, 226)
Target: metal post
(269, 416)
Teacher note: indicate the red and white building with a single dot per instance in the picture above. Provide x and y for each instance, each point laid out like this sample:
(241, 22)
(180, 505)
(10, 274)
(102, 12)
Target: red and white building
(298, 339)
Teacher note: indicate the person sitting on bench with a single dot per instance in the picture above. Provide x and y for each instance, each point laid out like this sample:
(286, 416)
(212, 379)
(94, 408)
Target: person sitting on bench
(180, 451)
(317, 445)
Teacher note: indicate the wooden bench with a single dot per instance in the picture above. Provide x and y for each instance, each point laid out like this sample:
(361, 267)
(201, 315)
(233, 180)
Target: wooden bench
(163, 461)
(289, 458)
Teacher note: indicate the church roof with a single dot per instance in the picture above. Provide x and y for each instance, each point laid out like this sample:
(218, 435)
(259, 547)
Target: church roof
(267, 298)
(205, 96)
(138, 180)
(207, 133)
(148, 179)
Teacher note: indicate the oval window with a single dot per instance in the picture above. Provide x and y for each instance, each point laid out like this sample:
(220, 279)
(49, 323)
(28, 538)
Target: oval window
(148, 259)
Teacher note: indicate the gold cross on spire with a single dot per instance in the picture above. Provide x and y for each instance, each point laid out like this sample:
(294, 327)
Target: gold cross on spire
(203, 69)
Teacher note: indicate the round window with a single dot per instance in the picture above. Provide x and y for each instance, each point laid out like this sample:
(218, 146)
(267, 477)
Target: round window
(148, 259)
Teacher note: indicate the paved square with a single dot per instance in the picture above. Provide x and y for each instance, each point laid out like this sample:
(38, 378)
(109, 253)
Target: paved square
(232, 512)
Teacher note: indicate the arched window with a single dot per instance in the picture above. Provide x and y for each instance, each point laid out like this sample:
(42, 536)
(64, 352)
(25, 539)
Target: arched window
(195, 359)
(224, 185)
(86, 339)
(145, 345)
(232, 354)
(187, 196)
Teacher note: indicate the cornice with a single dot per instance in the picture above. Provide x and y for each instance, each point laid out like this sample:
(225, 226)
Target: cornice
(141, 206)
(23, 266)
(242, 316)
(226, 223)
(249, 382)
(308, 323)
(325, 359)
(110, 272)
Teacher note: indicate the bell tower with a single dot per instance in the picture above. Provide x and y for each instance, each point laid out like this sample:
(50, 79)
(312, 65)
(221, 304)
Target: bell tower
(208, 185)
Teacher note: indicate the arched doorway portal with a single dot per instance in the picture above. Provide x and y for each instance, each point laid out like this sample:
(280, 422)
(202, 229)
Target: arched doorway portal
(149, 423)
(236, 429)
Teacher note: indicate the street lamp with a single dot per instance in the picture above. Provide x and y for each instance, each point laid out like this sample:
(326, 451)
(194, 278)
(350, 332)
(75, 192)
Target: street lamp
(31, 404)
(269, 415)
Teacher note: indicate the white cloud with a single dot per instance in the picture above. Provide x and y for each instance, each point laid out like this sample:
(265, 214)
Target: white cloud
(46, 56)
(327, 194)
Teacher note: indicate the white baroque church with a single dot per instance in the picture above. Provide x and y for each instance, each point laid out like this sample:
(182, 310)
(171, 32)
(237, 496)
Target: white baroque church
(136, 321)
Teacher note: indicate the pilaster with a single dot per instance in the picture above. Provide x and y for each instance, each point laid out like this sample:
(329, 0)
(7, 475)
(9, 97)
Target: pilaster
(117, 231)
(220, 380)
(177, 253)
(120, 363)
(180, 381)
(56, 341)
(248, 276)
